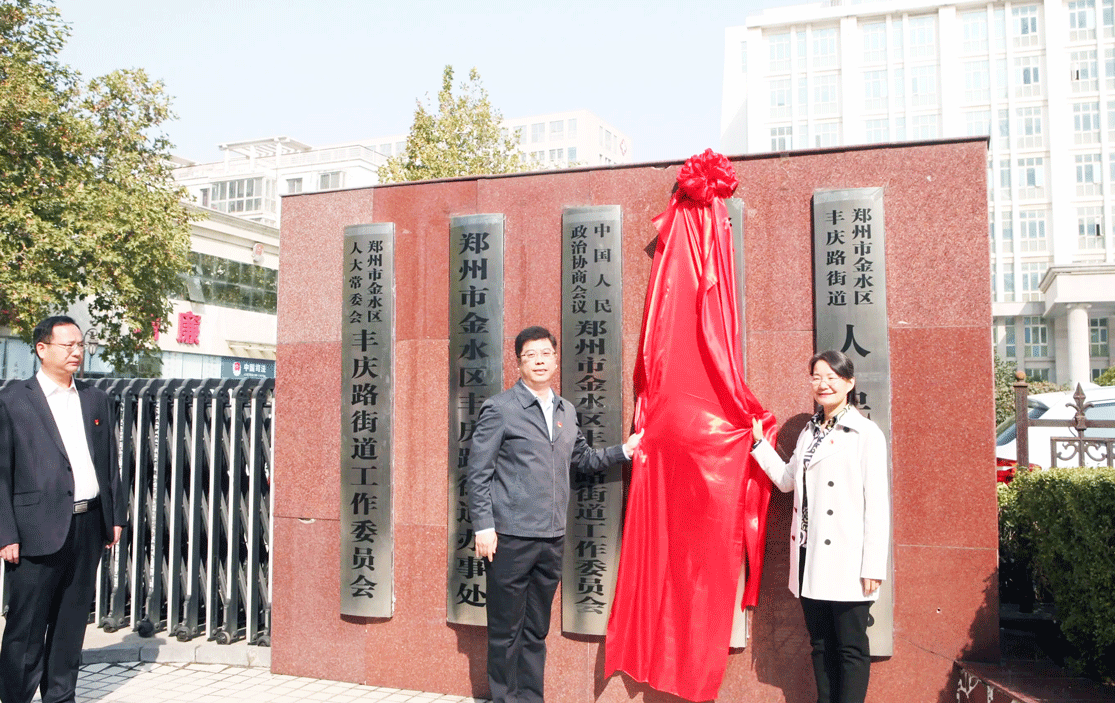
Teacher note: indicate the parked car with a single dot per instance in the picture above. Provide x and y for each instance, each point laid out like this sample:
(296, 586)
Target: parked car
(1054, 406)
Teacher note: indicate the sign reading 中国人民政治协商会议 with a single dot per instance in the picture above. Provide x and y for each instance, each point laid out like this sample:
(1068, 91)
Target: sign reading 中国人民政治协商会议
(367, 400)
(592, 380)
(475, 374)
(850, 310)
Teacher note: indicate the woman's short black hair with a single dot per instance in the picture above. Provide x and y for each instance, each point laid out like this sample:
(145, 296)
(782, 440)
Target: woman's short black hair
(841, 365)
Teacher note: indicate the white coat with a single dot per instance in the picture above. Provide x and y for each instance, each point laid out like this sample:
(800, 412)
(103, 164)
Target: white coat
(849, 508)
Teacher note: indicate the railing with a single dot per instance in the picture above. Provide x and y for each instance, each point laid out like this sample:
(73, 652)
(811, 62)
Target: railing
(195, 464)
(1074, 451)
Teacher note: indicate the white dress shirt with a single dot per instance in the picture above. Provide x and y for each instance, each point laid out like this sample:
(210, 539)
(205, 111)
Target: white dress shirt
(65, 405)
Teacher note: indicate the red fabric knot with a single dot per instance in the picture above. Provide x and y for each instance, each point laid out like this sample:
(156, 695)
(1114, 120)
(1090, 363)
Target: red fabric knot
(707, 176)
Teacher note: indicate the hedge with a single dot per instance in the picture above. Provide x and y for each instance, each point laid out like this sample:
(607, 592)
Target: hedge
(1063, 522)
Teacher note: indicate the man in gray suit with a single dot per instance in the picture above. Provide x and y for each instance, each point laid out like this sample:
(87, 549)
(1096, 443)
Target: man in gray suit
(60, 505)
(524, 447)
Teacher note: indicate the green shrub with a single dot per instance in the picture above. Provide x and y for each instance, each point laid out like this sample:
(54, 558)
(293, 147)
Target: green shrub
(1107, 378)
(1064, 520)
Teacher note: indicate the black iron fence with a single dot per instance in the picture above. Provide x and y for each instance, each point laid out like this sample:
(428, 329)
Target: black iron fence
(195, 460)
(1068, 451)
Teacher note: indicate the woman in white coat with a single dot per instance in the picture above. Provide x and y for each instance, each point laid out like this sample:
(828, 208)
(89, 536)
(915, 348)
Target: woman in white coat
(840, 526)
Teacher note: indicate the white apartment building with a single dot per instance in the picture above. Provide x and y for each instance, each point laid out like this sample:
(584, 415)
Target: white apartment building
(1037, 77)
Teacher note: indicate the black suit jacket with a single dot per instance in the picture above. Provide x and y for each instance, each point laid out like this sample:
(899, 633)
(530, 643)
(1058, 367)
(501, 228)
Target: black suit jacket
(36, 479)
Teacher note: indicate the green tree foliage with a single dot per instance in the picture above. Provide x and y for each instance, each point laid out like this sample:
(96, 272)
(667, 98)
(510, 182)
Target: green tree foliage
(463, 138)
(88, 209)
(1004, 388)
(1107, 378)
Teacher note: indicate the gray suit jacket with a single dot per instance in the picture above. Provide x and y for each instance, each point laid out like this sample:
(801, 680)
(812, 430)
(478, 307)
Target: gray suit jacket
(36, 481)
(518, 480)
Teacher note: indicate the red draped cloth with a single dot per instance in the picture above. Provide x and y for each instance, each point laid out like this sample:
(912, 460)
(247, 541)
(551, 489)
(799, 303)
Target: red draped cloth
(698, 501)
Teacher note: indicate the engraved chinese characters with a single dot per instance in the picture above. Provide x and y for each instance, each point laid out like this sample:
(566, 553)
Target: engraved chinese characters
(592, 379)
(475, 374)
(850, 303)
(367, 396)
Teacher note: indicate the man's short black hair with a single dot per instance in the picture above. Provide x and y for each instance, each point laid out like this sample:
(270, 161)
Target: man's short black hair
(529, 335)
(44, 331)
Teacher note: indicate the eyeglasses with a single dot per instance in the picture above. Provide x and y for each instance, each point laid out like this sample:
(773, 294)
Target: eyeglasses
(546, 354)
(68, 346)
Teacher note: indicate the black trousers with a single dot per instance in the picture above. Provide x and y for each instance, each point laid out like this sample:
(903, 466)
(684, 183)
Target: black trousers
(48, 609)
(521, 580)
(841, 652)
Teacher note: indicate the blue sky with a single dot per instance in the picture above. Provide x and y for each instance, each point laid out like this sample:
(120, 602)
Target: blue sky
(329, 71)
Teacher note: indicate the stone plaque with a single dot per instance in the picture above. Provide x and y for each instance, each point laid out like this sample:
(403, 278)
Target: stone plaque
(592, 380)
(475, 374)
(850, 304)
(367, 404)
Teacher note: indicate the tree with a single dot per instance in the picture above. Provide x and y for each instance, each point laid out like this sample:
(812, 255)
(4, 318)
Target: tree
(1107, 378)
(463, 138)
(88, 209)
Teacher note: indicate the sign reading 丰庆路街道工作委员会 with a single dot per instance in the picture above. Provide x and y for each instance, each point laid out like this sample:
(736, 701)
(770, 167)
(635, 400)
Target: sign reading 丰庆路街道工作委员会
(367, 403)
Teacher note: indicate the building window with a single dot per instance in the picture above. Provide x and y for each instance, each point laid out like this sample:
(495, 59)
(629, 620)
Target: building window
(923, 127)
(899, 129)
(977, 82)
(1108, 18)
(1030, 135)
(978, 123)
(1032, 273)
(875, 42)
(1027, 76)
(243, 195)
(537, 132)
(876, 131)
(875, 91)
(781, 91)
(827, 134)
(780, 138)
(923, 42)
(824, 48)
(537, 157)
(572, 127)
(556, 155)
(1004, 129)
(1089, 227)
(1006, 238)
(1086, 123)
(1010, 346)
(330, 180)
(1097, 332)
(1025, 22)
(205, 197)
(1008, 282)
(1004, 180)
(294, 185)
(974, 28)
(896, 41)
(1031, 177)
(780, 59)
(1083, 72)
(1082, 20)
(608, 141)
(557, 130)
(923, 86)
(1089, 174)
(825, 100)
(899, 89)
(1037, 337)
(1031, 235)
(233, 284)
(572, 154)
(801, 136)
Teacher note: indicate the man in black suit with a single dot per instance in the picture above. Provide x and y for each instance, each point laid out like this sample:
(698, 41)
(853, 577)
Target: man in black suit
(524, 447)
(60, 504)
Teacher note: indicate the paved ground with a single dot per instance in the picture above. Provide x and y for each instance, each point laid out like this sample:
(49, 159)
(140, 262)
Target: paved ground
(126, 668)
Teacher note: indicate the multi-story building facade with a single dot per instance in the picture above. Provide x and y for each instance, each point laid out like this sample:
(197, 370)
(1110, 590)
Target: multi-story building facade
(1036, 77)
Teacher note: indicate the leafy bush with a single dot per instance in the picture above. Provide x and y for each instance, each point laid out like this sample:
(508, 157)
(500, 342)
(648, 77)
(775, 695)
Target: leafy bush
(1004, 388)
(1064, 521)
(1107, 378)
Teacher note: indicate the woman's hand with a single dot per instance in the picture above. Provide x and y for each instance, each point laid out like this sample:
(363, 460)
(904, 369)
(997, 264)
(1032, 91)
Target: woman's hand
(870, 585)
(756, 429)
